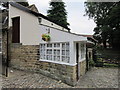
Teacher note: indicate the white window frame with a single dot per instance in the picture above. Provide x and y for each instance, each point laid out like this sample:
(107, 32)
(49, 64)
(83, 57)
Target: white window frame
(67, 57)
(1, 45)
(83, 51)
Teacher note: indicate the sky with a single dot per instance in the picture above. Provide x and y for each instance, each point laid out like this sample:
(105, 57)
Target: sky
(75, 10)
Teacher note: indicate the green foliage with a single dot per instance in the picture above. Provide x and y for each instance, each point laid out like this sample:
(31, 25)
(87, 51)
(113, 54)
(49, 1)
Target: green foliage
(107, 17)
(45, 37)
(110, 65)
(91, 63)
(58, 13)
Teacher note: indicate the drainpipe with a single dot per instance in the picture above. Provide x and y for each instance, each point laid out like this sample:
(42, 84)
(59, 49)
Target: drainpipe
(7, 62)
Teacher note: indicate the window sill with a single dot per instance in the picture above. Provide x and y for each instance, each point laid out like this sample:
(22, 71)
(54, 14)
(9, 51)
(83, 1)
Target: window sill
(82, 59)
(57, 62)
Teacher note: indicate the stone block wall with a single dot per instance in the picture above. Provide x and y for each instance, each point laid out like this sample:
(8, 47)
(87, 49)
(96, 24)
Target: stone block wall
(4, 44)
(6, 35)
(26, 57)
(82, 68)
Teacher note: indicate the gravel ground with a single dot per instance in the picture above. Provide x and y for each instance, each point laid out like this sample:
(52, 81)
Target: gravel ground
(94, 78)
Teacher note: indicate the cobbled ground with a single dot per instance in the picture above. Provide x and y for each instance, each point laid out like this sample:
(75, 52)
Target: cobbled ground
(94, 78)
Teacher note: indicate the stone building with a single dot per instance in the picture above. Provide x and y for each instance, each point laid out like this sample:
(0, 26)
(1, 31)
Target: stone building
(39, 44)
(3, 39)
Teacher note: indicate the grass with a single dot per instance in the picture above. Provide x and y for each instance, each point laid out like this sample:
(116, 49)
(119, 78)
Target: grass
(110, 65)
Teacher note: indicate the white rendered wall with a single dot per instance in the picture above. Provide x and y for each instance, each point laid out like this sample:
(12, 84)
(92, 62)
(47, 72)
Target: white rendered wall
(48, 23)
(29, 26)
(60, 36)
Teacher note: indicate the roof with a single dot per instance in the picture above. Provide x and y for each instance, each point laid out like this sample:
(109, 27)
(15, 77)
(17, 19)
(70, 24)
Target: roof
(89, 36)
(34, 13)
(33, 8)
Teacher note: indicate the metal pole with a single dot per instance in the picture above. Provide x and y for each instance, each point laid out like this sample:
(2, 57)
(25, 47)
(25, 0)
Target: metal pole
(7, 62)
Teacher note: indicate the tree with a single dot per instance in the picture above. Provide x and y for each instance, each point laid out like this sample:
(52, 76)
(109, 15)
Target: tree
(101, 13)
(114, 22)
(58, 13)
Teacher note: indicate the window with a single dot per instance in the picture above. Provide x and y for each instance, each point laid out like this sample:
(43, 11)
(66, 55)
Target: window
(65, 52)
(0, 45)
(58, 52)
(82, 47)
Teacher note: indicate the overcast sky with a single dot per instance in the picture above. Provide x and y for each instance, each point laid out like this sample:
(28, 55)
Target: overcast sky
(75, 8)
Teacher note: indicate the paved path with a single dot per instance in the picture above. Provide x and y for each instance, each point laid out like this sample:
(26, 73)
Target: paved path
(95, 78)
(100, 78)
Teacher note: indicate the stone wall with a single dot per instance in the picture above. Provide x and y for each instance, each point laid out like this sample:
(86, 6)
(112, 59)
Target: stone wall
(4, 43)
(26, 57)
(82, 68)
(6, 35)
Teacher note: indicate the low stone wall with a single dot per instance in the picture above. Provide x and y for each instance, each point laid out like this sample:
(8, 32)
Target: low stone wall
(26, 57)
(82, 68)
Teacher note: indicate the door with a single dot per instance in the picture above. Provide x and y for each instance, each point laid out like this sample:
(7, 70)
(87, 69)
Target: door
(87, 59)
(77, 61)
(16, 30)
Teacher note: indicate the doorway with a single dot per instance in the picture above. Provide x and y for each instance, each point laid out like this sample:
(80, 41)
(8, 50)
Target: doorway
(77, 61)
(16, 30)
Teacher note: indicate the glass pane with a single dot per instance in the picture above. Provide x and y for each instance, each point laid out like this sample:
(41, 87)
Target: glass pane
(58, 44)
(47, 57)
(43, 51)
(63, 45)
(63, 52)
(49, 51)
(43, 45)
(41, 56)
(54, 58)
(67, 52)
(67, 59)
(58, 52)
(63, 58)
(50, 57)
(67, 46)
(54, 52)
(58, 58)
(49, 45)
(44, 57)
(54, 44)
